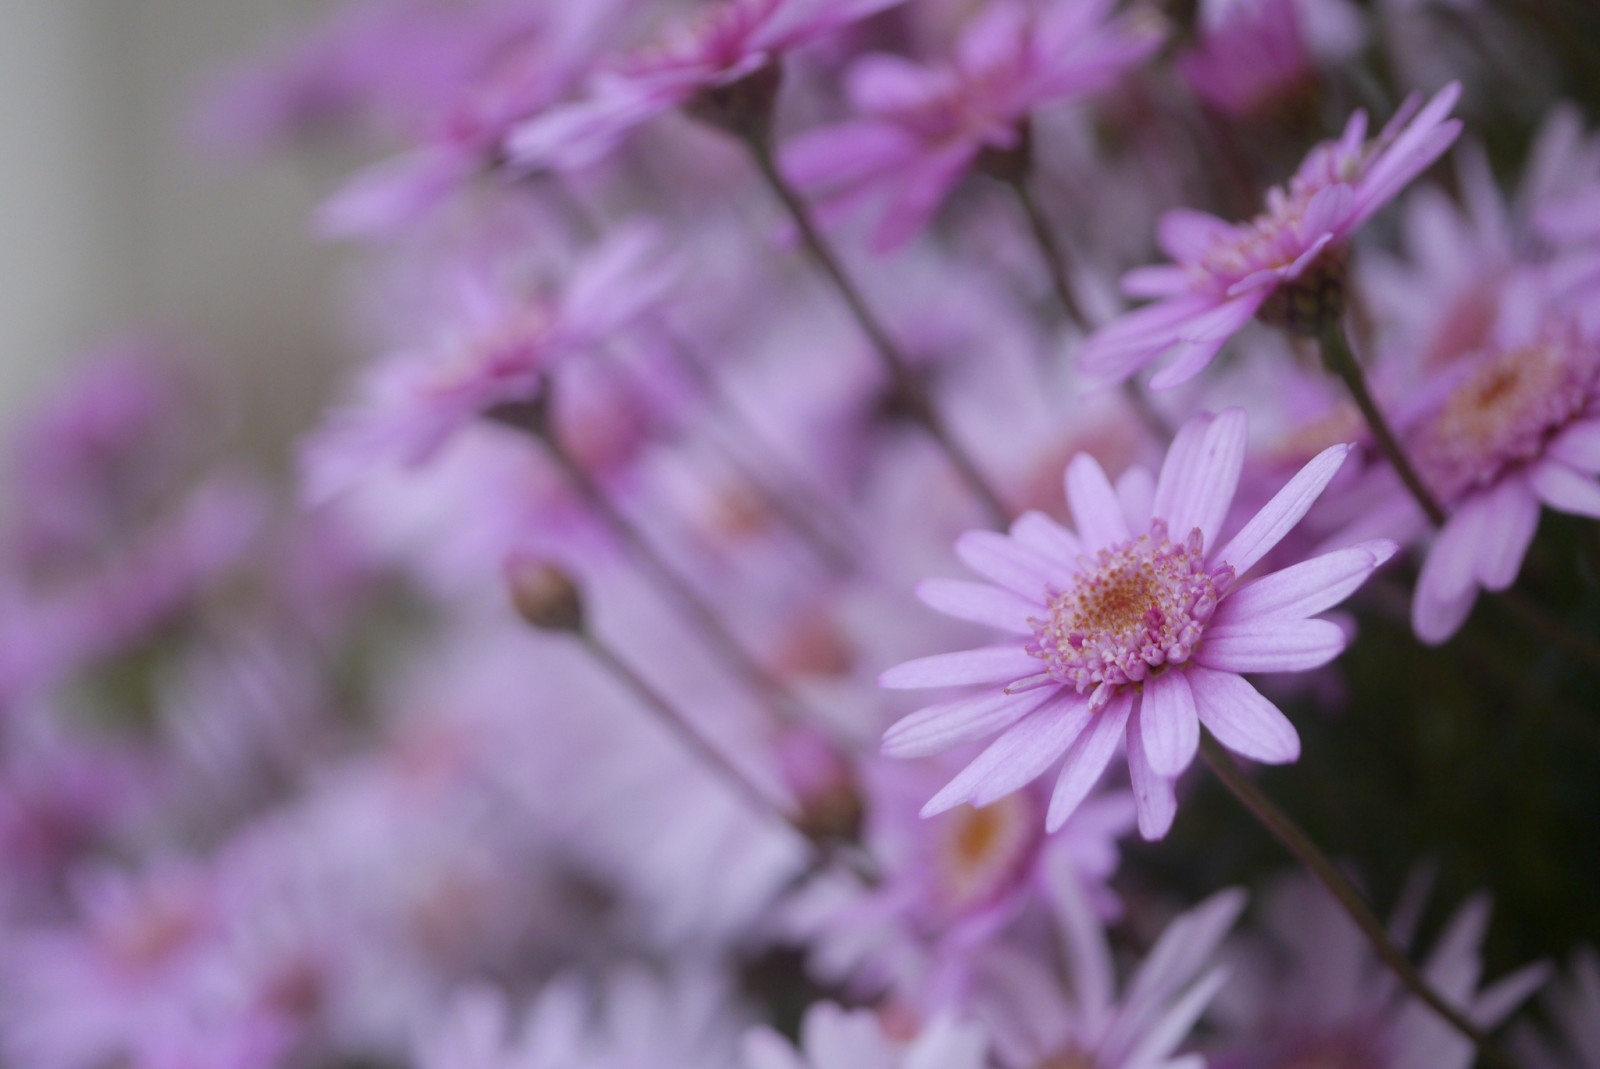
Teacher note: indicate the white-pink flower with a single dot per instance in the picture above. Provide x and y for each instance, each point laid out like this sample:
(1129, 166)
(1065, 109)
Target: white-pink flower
(1133, 627)
(1225, 273)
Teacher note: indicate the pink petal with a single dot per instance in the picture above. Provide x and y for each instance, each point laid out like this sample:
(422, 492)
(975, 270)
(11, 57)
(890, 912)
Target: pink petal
(1018, 757)
(1136, 490)
(1162, 280)
(991, 664)
(1087, 759)
(945, 726)
(884, 84)
(1017, 567)
(1171, 731)
(1095, 509)
(1241, 719)
(1187, 235)
(1510, 521)
(1278, 516)
(1451, 565)
(1564, 489)
(1436, 616)
(980, 603)
(1578, 447)
(1200, 345)
(922, 190)
(1270, 646)
(1038, 531)
(845, 155)
(1197, 485)
(1153, 797)
(1129, 342)
(1307, 588)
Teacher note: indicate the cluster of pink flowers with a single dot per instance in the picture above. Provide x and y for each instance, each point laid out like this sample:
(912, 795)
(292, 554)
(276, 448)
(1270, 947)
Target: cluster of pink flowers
(551, 712)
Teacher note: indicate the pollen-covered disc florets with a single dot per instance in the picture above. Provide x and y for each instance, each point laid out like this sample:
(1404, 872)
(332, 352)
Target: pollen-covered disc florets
(1505, 411)
(1136, 607)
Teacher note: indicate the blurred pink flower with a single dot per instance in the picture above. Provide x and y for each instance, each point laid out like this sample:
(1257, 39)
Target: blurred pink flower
(1122, 631)
(834, 1038)
(921, 127)
(1224, 273)
(1248, 55)
(724, 44)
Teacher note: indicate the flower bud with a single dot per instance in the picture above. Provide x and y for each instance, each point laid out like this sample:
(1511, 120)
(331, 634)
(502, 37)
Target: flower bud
(544, 595)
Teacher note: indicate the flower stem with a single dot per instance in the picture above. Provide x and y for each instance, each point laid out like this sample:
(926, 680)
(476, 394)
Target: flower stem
(1338, 358)
(680, 725)
(910, 388)
(1055, 260)
(1305, 850)
(531, 419)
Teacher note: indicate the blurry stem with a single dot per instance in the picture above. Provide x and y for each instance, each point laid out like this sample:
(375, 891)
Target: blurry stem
(911, 389)
(691, 737)
(732, 655)
(1295, 839)
(1338, 358)
(1055, 260)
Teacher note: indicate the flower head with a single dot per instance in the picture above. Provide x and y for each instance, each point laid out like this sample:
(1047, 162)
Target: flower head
(1225, 274)
(921, 127)
(1131, 627)
(724, 45)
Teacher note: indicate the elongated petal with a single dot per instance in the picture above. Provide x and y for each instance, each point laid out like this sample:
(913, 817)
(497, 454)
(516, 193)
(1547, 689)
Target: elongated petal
(1095, 509)
(942, 727)
(1564, 489)
(1578, 447)
(1170, 729)
(1508, 527)
(1200, 339)
(1087, 759)
(1307, 588)
(1019, 568)
(1435, 616)
(1197, 488)
(1137, 491)
(1018, 757)
(1270, 646)
(991, 664)
(1038, 531)
(1153, 796)
(1241, 719)
(1278, 516)
(980, 603)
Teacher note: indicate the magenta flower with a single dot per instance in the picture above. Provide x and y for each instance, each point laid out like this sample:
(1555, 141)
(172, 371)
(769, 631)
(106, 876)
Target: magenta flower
(1249, 56)
(921, 127)
(1132, 627)
(726, 44)
(1225, 273)
(1517, 427)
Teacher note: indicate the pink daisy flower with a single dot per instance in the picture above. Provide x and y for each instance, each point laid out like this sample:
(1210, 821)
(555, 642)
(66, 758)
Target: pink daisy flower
(1510, 430)
(728, 43)
(921, 127)
(1225, 273)
(1132, 627)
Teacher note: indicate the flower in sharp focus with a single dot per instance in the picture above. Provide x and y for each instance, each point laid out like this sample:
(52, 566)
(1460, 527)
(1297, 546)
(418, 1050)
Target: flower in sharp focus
(833, 1038)
(726, 44)
(1514, 428)
(920, 128)
(1131, 627)
(1224, 274)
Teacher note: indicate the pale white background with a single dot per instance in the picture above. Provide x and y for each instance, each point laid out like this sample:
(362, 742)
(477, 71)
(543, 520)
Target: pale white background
(110, 219)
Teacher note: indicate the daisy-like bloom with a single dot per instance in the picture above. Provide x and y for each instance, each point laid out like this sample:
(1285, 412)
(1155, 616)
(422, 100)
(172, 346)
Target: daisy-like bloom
(921, 127)
(1037, 1022)
(1225, 274)
(1313, 993)
(1132, 626)
(833, 1038)
(726, 44)
(1515, 427)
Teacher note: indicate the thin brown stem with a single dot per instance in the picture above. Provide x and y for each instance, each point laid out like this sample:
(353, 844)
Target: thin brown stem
(1305, 850)
(901, 376)
(1338, 358)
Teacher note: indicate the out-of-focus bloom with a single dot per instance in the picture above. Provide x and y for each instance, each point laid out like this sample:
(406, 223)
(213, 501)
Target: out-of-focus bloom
(833, 1038)
(502, 341)
(1573, 1007)
(922, 127)
(1035, 1019)
(950, 885)
(1313, 994)
(1513, 428)
(1250, 55)
(1226, 274)
(721, 47)
(1131, 627)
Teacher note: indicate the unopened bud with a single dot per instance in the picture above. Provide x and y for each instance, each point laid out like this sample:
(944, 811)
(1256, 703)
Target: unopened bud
(543, 594)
